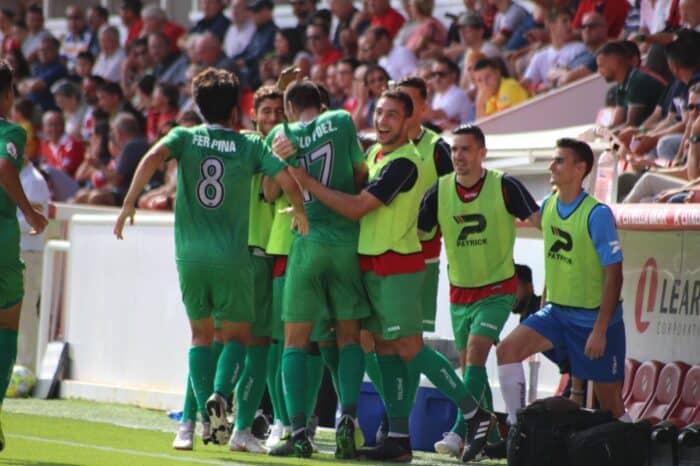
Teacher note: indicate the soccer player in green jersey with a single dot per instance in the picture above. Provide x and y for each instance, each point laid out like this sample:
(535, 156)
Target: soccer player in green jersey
(12, 141)
(216, 166)
(475, 209)
(393, 273)
(323, 276)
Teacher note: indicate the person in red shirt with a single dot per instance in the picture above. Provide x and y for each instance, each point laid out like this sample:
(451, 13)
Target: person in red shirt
(155, 19)
(130, 13)
(163, 108)
(385, 16)
(319, 44)
(615, 12)
(58, 149)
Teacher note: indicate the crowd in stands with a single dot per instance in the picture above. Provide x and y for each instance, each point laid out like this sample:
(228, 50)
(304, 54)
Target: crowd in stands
(94, 97)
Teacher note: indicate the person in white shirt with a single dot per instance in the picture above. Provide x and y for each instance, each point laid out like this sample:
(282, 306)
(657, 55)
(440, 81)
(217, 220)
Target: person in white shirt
(241, 30)
(557, 55)
(109, 61)
(450, 104)
(32, 246)
(396, 59)
(507, 20)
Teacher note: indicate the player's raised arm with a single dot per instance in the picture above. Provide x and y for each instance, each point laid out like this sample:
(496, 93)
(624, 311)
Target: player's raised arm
(148, 165)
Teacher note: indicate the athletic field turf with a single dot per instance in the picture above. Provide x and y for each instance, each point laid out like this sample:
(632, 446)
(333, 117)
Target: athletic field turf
(69, 432)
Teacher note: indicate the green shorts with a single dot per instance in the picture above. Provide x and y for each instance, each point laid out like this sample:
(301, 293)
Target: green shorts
(11, 285)
(324, 330)
(262, 295)
(429, 292)
(396, 304)
(277, 294)
(485, 317)
(323, 282)
(222, 292)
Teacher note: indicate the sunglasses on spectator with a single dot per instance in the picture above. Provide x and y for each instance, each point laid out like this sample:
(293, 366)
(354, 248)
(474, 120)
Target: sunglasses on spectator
(692, 107)
(590, 25)
(438, 74)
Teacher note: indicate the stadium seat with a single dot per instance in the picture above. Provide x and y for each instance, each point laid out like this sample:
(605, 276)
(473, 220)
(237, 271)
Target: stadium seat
(688, 405)
(667, 392)
(631, 366)
(643, 386)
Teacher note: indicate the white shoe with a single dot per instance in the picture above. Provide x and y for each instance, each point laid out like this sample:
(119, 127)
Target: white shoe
(220, 428)
(275, 435)
(184, 439)
(244, 440)
(451, 445)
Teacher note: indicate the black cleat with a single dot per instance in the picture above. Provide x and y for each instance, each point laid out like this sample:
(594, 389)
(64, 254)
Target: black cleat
(496, 450)
(478, 428)
(382, 431)
(298, 446)
(393, 449)
(345, 442)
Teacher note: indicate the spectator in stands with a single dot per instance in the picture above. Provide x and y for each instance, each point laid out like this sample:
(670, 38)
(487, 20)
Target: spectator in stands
(305, 12)
(594, 34)
(155, 20)
(187, 102)
(213, 21)
(136, 64)
(58, 149)
(143, 93)
(494, 91)
(163, 59)
(163, 197)
(23, 111)
(45, 72)
(345, 70)
(109, 61)
(427, 38)
(450, 105)
(349, 18)
(130, 14)
(241, 30)
(77, 39)
(129, 145)
(19, 64)
(176, 71)
(319, 44)
(615, 12)
(544, 63)
(473, 32)
(383, 15)
(84, 63)
(34, 19)
(526, 301)
(358, 84)
(661, 184)
(637, 93)
(261, 43)
(509, 16)
(69, 101)
(376, 81)
(89, 87)
(163, 107)
(210, 53)
(97, 18)
(396, 59)
(111, 101)
(87, 174)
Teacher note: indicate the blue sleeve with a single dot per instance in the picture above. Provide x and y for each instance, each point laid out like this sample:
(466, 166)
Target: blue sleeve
(601, 225)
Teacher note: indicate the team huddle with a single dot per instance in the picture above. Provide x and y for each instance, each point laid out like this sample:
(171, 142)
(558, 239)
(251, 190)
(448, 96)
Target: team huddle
(296, 251)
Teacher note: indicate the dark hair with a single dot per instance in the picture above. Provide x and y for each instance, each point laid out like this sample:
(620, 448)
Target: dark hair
(6, 75)
(25, 107)
(402, 98)
(9, 14)
(55, 43)
(581, 150)
(352, 61)
(616, 48)
(143, 41)
(295, 43)
(471, 130)
(146, 84)
(85, 55)
(325, 96)
(21, 68)
(555, 13)
(102, 131)
(19, 23)
(372, 69)
(67, 89)
(415, 82)
(303, 95)
(321, 23)
(35, 8)
(632, 49)
(484, 63)
(264, 93)
(98, 80)
(215, 92)
(189, 116)
(111, 88)
(101, 11)
(451, 65)
(524, 273)
(134, 5)
(171, 92)
(684, 52)
(378, 32)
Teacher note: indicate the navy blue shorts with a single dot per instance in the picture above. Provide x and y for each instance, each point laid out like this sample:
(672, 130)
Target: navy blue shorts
(568, 336)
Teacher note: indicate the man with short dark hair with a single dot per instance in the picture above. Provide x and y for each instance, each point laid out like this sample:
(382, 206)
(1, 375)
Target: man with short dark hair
(261, 43)
(77, 39)
(495, 93)
(34, 18)
(319, 44)
(213, 21)
(450, 105)
(45, 73)
(130, 14)
(214, 178)
(581, 247)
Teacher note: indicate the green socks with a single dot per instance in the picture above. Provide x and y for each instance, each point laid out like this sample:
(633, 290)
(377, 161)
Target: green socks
(271, 373)
(229, 367)
(201, 375)
(396, 399)
(440, 373)
(314, 365)
(477, 382)
(250, 387)
(189, 409)
(8, 355)
(373, 372)
(351, 369)
(330, 356)
(295, 376)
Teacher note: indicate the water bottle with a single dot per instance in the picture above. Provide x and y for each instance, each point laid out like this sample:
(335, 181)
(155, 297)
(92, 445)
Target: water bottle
(175, 415)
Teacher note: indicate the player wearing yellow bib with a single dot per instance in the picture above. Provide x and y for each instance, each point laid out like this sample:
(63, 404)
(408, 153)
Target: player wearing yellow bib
(583, 277)
(12, 196)
(216, 166)
(393, 273)
(475, 209)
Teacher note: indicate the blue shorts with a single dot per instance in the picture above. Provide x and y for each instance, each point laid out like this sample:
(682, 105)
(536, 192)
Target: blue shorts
(569, 337)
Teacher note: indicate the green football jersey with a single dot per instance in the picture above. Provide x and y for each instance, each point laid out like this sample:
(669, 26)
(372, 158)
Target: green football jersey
(327, 148)
(12, 141)
(215, 169)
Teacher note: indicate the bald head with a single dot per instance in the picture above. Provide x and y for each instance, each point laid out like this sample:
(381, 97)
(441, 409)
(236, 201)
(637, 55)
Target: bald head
(208, 49)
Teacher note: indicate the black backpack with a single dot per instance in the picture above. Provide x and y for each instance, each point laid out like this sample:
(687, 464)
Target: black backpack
(540, 435)
(613, 444)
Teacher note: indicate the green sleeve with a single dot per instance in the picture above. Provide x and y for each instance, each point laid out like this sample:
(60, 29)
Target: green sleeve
(12, 146)
(266, 162)
(356, 155)
(175, 141)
